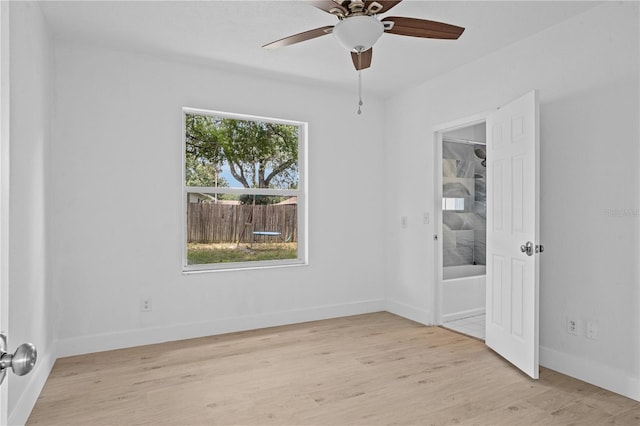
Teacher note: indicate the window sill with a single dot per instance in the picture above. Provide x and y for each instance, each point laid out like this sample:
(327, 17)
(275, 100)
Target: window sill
(208, 268)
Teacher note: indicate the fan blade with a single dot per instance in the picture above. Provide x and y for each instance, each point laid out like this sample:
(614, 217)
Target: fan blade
(386, 5)
(423, 28)
(362, 60)
(297, 38)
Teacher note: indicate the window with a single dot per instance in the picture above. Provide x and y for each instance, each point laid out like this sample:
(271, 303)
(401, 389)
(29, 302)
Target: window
(456, 204)
(244, 191)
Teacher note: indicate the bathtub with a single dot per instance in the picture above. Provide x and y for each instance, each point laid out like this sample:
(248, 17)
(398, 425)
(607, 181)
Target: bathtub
(462, 271)
(463, 291)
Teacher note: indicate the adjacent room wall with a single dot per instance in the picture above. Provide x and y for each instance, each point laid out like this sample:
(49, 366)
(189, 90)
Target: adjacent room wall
(586, 71)
(116, 203)
(31, 311)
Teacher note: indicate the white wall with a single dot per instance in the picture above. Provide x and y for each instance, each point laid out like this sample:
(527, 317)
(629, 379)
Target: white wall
(31, 312)
(586, 70)
(116, 203)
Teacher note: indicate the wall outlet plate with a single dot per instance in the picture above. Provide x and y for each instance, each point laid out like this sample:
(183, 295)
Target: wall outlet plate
(572, 326)
(145, 304)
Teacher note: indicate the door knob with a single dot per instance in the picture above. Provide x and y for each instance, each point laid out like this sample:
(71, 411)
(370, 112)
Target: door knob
(21, 362)
(527, 248)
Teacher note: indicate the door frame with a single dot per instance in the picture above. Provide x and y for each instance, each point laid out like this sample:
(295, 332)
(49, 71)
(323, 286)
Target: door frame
(438, 132)
(4, 189)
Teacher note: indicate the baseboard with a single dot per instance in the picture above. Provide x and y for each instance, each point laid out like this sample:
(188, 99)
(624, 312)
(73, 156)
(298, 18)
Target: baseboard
(595, 373)
(409, 312)
(462, 314)
(37, 379)
(148, 336)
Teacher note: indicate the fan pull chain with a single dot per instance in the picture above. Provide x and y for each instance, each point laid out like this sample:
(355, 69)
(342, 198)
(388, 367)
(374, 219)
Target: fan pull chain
(360, 91)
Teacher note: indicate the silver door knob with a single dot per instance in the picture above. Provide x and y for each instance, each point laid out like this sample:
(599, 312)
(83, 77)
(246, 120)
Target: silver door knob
(21, 362)
(527, 248)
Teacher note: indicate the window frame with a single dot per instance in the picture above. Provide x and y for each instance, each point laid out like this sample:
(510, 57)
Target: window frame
(455, 201)
(300, 193)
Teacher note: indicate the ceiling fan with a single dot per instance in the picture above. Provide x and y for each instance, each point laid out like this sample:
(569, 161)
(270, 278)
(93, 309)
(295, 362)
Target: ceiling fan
(359, 28)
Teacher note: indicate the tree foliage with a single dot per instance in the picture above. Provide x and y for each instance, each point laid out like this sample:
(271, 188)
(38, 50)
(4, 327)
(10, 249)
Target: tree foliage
(203, 152)
(258, 154)
(200, 172)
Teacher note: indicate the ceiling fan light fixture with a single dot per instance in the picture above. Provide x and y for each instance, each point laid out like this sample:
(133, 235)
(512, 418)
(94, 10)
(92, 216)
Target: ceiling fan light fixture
(358, 33)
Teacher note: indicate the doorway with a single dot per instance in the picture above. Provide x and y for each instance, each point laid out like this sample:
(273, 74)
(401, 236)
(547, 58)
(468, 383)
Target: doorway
(462, 224)
(512, 228)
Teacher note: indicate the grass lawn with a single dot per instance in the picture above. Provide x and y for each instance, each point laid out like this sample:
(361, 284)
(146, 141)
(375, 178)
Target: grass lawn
(223, 253)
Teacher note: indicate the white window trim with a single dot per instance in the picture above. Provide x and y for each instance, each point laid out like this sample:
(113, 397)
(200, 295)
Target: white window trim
(301, 193)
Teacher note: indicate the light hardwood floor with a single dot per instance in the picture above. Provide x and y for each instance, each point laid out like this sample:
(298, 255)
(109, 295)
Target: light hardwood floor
(366, 369)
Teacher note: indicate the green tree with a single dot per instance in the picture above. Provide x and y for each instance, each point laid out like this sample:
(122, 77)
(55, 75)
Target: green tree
(203, 153)
(258, 154)
(202, 140)
(200, 172)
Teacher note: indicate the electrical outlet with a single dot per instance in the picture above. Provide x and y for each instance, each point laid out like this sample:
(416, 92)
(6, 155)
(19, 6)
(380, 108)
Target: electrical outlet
(592, 330)
(572, 326)
(404, 222)
(145, 304)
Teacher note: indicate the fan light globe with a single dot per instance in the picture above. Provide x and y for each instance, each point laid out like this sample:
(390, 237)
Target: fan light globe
(358, 33)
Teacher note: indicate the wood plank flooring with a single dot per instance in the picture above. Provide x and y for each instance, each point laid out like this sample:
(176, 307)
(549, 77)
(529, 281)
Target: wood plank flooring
(368, 369)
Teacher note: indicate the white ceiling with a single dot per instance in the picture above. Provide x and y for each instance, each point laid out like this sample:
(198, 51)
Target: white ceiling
(229, 34)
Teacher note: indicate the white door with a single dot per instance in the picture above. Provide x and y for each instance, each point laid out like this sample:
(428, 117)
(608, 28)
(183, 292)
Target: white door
(513, 221)
(4, 188)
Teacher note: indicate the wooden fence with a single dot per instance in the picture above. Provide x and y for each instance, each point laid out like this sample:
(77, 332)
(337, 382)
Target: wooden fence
(223, 223)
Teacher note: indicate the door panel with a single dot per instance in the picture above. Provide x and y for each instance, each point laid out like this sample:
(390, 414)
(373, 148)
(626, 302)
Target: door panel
(495, 307)
(512, 220)
(518, 279)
